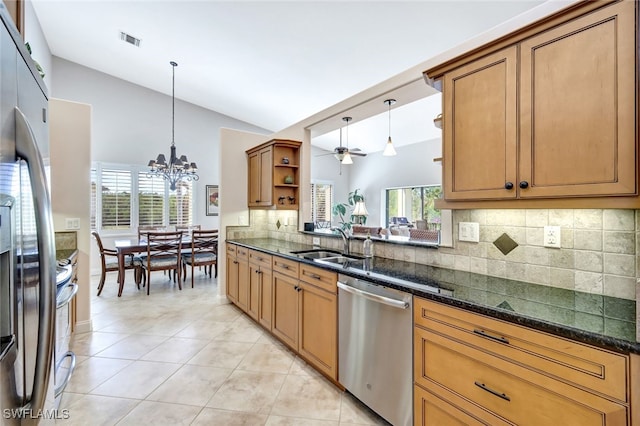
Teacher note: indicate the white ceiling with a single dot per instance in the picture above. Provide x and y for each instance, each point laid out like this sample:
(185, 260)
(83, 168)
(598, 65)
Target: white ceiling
(272, 63)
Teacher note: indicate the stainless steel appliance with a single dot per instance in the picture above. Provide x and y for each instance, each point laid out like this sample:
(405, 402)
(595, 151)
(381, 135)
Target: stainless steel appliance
(27, 253)
(375, 347)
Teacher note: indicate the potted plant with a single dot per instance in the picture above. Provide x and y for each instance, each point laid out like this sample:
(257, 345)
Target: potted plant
(341, 209)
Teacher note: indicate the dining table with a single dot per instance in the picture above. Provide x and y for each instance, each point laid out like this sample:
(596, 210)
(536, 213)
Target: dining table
(127, 247)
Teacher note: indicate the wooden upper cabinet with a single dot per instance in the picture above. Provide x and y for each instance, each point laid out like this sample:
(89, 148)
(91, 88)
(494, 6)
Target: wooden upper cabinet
(16, 10)
(274, 175)
(577, 107)
(480, 130)
(546, 113)
(260, 178)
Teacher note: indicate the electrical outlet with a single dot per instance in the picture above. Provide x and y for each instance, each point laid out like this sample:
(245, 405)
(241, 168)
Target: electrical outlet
(316, 241)
(552, 236)
(469, 231)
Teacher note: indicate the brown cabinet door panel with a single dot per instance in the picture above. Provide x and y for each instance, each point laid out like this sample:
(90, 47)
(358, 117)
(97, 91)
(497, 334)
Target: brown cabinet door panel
(253, 305)
(232, 279)
(318, 341)
(480, 136)
(265, 311)
(577, 117)
(285, 309)
(243, 285)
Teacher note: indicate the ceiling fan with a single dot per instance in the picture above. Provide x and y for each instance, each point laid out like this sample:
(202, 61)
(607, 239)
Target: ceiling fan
(343, 153)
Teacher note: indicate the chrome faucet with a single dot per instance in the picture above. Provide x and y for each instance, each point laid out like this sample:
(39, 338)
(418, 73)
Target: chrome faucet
(345, 239)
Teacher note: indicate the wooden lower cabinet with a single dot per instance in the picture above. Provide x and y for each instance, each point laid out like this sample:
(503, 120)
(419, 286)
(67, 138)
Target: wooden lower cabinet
(430, 409)
(253, 307)
(285, 309)
(318, 325)
(490, 384)
(243, 284)
(232, 278)
(238, 276)
(265, 311)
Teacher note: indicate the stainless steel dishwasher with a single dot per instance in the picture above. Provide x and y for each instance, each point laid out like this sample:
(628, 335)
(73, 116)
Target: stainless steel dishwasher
(375, 347)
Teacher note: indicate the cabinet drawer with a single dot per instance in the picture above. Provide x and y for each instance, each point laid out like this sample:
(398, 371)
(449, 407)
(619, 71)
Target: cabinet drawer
(437, 406)
(285, 266)
(242, 253)
(231, 250)
(508, 390)
(583, 365)
(259, 258)
(321, 278)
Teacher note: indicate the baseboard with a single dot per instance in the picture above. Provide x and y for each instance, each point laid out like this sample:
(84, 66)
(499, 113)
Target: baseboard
(84, 326)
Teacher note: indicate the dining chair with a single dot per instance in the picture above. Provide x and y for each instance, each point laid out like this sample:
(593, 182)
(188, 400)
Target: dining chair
(109, 261)
(204, 252)
(143, 230)
(188, 228)
(163, 254)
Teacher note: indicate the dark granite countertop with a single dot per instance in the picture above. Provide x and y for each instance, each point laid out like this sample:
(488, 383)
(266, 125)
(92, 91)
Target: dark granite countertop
(603, 321)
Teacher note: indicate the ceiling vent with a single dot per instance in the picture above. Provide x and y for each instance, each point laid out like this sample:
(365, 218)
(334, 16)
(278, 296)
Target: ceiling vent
(130, 39)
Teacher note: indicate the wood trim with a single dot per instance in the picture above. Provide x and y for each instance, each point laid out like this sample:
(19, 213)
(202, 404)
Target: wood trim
(16, 10)
(585, 6)
(634, 389)
(546, 203)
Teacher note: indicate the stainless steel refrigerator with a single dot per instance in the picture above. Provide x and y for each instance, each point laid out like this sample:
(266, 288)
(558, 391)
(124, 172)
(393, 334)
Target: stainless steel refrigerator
(27, 246)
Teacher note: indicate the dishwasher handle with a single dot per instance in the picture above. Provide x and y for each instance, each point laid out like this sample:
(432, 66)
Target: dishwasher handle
(400, 304)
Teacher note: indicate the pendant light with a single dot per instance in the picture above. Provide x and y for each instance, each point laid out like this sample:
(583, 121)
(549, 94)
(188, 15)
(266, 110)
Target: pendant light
(389, 150)
(178, 168)
(347, 157)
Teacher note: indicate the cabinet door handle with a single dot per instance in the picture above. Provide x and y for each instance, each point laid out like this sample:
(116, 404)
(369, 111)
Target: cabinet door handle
(508, 185)
(235, 262)
(295, 287)
(282, 265)
(524, 184)
(489, 336)
(491, 391)
(312, 275)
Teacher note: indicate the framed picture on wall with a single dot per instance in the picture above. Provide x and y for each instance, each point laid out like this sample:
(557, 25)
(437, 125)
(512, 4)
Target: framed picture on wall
(212, 200)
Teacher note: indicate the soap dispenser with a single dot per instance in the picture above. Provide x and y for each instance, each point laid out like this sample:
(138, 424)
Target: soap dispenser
(367, 246)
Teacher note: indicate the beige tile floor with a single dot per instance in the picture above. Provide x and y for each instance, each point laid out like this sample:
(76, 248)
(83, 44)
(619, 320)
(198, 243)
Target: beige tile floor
(188, 357)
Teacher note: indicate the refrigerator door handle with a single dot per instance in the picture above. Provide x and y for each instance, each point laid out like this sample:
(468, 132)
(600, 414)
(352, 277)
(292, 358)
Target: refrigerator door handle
(27, 149)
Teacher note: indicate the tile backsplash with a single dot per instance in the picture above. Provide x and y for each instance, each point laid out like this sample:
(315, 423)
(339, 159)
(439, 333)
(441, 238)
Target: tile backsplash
(598, 254)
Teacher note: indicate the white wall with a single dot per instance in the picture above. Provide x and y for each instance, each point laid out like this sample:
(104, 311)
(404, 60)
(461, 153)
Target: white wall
(132, 124)
(70, 137)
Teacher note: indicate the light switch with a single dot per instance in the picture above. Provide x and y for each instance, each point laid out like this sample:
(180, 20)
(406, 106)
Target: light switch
(469, 231)
(72, 223)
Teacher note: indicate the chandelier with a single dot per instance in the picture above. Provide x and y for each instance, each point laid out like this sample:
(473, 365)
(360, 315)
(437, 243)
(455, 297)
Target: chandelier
(178, 168)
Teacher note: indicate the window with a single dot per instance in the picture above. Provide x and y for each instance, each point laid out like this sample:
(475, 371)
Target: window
(321, 201)
(116, 199)
(415, 203)
(150, 201)
(123, 197)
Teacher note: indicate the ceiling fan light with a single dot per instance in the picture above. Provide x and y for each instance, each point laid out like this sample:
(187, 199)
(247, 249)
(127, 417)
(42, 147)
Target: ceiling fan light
(389, 150)
(346, 159)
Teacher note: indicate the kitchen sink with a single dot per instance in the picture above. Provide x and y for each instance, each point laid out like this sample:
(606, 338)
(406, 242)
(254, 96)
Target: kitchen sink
(346, 261)
(331, 256)
(316, 253)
